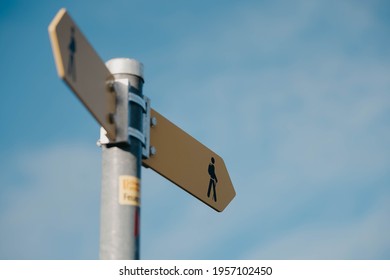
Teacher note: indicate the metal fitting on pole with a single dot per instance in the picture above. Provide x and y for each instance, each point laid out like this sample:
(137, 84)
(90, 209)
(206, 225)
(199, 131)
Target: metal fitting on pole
(121, 165)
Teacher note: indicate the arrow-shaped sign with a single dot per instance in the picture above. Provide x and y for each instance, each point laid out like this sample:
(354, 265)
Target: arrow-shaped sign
(82, 69)
(189, 164)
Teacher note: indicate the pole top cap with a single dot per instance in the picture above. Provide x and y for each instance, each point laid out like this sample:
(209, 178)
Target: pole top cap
(126, 66)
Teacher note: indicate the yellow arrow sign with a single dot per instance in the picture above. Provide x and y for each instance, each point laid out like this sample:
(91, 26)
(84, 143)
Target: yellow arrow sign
(82, 69)
(189, 164)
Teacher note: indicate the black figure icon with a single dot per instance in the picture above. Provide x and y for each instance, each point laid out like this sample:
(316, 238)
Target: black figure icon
(213, 179)
(72, 51)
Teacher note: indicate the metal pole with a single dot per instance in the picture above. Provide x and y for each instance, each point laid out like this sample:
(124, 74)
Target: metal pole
(121, 172)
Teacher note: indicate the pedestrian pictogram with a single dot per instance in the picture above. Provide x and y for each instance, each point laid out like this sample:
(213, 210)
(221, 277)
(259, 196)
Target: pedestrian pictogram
(72, 52)
(213, 179)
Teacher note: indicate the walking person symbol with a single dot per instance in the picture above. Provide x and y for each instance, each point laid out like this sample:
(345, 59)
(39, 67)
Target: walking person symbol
(213, 179)
(72, 51)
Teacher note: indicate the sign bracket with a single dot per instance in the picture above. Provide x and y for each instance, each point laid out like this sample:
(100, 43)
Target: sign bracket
(121, 88)
(146, 127)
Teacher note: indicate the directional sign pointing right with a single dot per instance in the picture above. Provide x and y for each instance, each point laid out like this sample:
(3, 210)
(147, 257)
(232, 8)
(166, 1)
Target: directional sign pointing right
(82, 69)
(189, 164)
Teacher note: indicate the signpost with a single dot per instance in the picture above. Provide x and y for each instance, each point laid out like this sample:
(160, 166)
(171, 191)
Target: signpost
(136, 134)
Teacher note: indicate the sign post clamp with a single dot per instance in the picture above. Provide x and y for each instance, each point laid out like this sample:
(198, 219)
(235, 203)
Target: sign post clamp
(122, 89)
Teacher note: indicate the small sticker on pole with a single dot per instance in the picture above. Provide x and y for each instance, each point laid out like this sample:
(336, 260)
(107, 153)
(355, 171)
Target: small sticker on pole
(129, 190)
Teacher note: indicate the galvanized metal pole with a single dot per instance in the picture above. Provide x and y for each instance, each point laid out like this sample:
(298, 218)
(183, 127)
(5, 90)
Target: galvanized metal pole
(121, 170)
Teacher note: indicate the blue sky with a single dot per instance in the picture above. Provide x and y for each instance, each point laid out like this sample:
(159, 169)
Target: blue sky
(294, 95)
